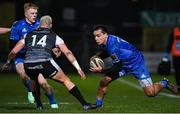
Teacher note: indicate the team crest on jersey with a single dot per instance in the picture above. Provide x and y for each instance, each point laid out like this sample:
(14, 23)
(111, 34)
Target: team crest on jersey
(24, 30)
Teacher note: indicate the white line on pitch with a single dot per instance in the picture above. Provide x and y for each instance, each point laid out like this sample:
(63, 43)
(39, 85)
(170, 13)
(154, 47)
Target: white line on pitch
(139, 88)
(65, 103)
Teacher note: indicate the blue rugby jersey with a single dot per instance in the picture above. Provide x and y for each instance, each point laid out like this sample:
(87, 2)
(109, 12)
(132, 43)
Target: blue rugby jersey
(19, 29)
(121, 50)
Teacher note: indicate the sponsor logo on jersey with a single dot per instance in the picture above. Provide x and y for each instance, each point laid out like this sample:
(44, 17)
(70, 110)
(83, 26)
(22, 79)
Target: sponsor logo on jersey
(143, 76)
(24, 30)
(114, 58)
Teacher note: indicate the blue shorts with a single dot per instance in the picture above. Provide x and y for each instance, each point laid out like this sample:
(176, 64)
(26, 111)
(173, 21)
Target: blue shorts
(141, 72)
(18, 60)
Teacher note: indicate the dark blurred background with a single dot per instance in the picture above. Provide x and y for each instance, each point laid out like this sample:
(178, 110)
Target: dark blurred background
(144, 23)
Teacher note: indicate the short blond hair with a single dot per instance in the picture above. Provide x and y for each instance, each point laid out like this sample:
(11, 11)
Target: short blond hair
(27, 6)
(46, 20)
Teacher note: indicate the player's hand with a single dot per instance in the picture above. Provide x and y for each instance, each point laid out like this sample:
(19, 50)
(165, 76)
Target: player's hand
(96, 69)
(6, 66)
(82, 75)
(57, 52)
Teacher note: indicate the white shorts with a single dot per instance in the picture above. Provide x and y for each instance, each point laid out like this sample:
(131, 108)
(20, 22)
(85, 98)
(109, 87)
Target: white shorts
(145, 82)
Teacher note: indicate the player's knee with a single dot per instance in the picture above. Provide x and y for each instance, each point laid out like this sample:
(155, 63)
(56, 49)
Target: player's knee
(23, 75)
(149, 92)
(104, 82)
(45, 86)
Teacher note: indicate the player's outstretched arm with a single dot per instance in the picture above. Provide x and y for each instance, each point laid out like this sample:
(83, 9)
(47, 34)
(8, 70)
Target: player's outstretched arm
(69, 55)
(4, 30)
(12, 54)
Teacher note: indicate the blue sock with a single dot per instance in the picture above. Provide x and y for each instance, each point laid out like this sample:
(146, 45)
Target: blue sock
(164, 83)
(51, 98)
(99, 102)
(28, 85)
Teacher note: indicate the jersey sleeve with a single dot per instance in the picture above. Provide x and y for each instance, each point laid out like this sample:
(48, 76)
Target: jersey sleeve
(14, 32)
(59, 40)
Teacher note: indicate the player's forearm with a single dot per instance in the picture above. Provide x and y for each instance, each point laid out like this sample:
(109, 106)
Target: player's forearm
(11, 56)
(4, 30)
(115, 68)
(73, 60)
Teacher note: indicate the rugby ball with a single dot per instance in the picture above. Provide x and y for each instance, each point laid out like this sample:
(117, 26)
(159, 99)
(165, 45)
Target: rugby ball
(94, 62)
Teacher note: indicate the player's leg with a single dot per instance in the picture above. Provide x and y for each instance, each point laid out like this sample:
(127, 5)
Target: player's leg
(149, 88)
(145, 81)
(152, 90)
(33, 74)
(72, 88)
(103, 86)
(48, 91)
(26, 80)
(36, 93)
(55, 72)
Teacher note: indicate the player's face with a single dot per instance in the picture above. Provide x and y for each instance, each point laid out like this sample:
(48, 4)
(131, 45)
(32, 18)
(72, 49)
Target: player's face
(31, 15)
(100, 37)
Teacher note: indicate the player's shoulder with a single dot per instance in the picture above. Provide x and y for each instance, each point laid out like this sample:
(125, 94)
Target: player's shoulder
(18, 24)
(37, 22)
(112, 39)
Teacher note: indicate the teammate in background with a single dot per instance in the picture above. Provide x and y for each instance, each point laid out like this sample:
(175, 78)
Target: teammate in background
(173, 47)
(19, 28)
(38, 59)
(4, 30)
(126, 59)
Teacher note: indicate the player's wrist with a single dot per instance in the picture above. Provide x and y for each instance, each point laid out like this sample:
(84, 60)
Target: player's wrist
(76, 65)
(8, 61)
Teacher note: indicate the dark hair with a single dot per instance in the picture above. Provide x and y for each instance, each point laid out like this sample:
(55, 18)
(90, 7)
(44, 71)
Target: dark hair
(104, 28)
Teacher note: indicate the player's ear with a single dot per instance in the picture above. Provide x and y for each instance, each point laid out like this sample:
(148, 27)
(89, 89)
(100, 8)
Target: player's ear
(25, 14)
(50, 25)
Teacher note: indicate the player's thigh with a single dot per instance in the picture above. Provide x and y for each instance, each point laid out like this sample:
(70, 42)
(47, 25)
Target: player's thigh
(109, 77)
(41, 79)
(147, 86)
(61, 76)
(53, 71)
(32, 73)
(20, 70)
(145, 82)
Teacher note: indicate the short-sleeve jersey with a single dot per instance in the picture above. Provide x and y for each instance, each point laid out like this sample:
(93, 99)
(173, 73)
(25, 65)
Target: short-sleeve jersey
(122, 51)
(39, 44)
(19, 29)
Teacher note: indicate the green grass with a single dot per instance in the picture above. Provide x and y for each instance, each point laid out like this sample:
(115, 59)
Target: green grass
(120, 97)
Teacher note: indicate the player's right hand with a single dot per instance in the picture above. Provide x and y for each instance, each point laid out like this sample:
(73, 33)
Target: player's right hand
(6, 66)
(82, 75)
(56, 51)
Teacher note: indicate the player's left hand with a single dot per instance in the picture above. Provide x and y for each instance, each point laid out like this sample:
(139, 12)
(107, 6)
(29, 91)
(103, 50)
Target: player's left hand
(96, 69)
(6, 66)
(82, 75)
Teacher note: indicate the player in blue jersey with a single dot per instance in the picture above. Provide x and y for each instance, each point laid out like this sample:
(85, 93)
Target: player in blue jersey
(18, 30)
(126, 59)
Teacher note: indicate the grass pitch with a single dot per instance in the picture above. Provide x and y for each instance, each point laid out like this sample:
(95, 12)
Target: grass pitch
(124, 96)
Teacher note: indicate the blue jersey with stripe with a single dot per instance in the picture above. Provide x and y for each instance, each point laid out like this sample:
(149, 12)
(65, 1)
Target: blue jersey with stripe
(121, 51)
(20, 28)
